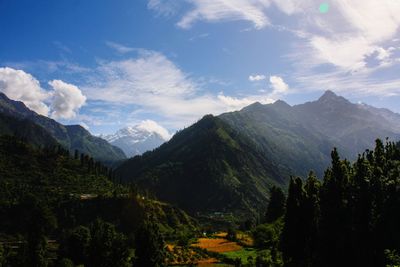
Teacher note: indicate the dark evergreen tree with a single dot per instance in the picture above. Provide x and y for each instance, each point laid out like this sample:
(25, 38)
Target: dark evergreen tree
(293, 238)
(107, 247)
(276, 205)
(310, 214)
(335, 222)
(76, 246)
(362, 213)
(41, 223)
(2, 255)
(150, 246)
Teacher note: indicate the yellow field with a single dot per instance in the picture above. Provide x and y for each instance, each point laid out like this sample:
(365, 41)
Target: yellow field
(219, 245)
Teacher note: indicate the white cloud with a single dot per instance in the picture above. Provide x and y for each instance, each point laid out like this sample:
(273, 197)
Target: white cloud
(340, 42)
(234, 102)
(279, 86)
(163, 7)
(84, 125)
(350, 32)
(152, 126)
(223, 10)
(131, 80)
(153, 83)
(122, 49)
(356, 84)
(257, 77)
(67, 99)
(21, 86)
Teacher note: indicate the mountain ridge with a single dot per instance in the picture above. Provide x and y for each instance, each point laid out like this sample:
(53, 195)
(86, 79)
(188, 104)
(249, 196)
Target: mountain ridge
(330, 121)
(70, 136)
(206, 167)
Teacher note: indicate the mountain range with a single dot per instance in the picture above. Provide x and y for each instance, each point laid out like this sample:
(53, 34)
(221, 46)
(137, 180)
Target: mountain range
(228, 163)
(224, 163)
(301, 137)
(16, 119)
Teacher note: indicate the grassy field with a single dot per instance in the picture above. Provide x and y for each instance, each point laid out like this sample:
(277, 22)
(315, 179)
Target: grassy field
(243, 254)
(214, 244)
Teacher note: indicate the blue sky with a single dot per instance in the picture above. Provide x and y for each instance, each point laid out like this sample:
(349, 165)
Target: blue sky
(108, 64)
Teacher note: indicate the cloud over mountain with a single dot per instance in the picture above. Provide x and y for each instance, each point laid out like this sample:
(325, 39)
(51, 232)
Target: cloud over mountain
(67, 100)
(63, 101)
(19, 85)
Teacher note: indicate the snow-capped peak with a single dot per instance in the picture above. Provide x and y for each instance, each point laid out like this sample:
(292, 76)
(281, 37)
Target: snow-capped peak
(152, 126)
(137, 139)
(140, 132)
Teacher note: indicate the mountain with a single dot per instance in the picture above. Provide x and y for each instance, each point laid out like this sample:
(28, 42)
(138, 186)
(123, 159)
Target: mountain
(26, 130)
(302, 136)
(393, 118)
(71, 137)
(136, 140)
(228, 163)
(207, 167)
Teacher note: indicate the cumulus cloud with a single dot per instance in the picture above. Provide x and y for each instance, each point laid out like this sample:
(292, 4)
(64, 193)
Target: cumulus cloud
(257, 77)
(152, 126)
(21, 86)
(278, 85)
(234, 102)
(67, 99)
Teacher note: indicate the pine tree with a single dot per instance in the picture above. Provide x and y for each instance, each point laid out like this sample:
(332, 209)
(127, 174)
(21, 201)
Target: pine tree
(292, 243)
(335, 222)
(150, 246)
(361, 213)
(108, 248)
(276, 205)
(310, 215)
(41, 223)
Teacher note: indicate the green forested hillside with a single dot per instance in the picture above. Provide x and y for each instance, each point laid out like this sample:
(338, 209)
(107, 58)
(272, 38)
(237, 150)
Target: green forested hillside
(49, 201)
(279, 134)
(301, 137)
(207, 167)
(26, 130)
(48, 173)
(71, 137)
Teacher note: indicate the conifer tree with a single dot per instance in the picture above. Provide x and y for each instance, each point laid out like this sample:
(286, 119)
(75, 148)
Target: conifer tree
(292, 243)
(150, 246)
(276, 205)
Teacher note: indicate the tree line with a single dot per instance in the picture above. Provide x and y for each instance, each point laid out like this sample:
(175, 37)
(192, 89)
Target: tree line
(350, 218)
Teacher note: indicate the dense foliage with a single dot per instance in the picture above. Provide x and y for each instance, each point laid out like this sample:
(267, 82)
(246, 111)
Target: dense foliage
(59, 209)
(351, 218)
(48, 173)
